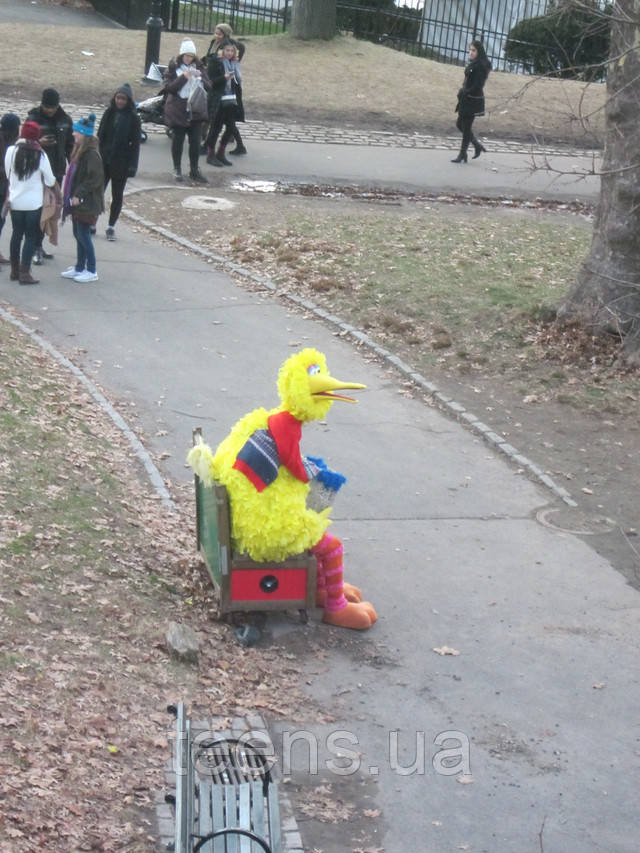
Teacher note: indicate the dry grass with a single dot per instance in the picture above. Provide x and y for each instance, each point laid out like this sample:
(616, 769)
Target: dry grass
(340, 82)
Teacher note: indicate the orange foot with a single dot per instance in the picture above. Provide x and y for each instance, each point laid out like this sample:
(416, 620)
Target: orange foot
(351, 593)
(357, 615)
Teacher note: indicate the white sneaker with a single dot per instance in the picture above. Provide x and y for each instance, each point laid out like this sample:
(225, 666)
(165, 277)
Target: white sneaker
(70, 272)
(85, 276)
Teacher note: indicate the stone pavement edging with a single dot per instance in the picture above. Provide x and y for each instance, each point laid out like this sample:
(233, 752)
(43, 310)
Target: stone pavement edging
(458, 411)
(215, 726)
(138, 448)
(273, 131)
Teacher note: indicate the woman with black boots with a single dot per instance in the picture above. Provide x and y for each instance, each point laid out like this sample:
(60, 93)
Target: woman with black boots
(471, 99)
(186, 85)
(119, 140)
(229, 79)
(215, 69)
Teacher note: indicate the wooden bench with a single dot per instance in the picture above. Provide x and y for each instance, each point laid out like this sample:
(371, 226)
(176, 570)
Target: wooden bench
(243, 817)
(243, 583)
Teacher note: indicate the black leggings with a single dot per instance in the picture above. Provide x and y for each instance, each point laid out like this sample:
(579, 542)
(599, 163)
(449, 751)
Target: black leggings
(225, 116)
(118, 183)
(177, 144)
(464, 126)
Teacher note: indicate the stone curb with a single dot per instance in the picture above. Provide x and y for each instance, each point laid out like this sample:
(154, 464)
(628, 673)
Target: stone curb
(165, 823)
(312, 133)
(458, 411)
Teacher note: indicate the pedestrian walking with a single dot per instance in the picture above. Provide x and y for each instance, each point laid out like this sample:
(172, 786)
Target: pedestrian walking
(83, 198)
(27, 168)
(222, 35)
(56, 138)
(119, 144)
(9, 132)
(186, 85)
(229, 78)
(471, 99)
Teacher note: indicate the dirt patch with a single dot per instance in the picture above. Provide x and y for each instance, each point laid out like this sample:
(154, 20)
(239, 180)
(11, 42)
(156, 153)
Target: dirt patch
(560, 397)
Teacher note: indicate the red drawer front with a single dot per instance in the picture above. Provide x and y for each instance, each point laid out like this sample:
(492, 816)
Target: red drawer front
(266, 584)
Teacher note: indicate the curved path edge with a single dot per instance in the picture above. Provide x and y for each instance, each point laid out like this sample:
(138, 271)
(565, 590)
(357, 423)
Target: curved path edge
(445, 403)
(138, 448)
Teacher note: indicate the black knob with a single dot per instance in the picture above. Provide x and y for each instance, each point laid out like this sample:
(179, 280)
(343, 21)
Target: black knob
(269, 583)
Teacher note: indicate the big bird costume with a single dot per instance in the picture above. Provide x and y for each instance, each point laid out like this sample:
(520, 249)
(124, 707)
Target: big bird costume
(268, 481)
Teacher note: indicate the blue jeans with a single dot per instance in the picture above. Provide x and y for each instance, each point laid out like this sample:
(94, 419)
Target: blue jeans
(26, 224)
(86, 256)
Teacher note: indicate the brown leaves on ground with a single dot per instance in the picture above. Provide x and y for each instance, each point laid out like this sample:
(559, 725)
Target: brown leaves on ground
(323, 804)
(92, 569)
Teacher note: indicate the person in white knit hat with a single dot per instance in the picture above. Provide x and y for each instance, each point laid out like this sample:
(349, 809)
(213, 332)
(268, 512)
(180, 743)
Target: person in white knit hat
(186, 85)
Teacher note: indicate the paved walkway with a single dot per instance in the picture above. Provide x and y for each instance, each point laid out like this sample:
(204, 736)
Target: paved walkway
(540, 704)
(312, 133)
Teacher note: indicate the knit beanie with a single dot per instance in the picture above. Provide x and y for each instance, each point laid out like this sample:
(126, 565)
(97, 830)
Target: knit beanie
(10, 123)
(84, 125)
(30, 130)
(224, 28)
(126, 90)
(50, 98)
(187, 46)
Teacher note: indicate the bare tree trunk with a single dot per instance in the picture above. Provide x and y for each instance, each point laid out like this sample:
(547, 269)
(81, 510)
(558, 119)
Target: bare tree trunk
(313, 19)
(606, 295)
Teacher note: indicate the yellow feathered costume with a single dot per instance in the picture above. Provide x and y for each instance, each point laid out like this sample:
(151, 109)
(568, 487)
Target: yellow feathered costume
(268, 481)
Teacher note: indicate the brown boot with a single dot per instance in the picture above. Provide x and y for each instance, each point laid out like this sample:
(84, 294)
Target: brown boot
(25, 276)
(14, 275)
(220, 156)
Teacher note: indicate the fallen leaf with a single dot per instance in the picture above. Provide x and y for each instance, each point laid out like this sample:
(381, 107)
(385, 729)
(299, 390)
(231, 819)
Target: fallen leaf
(599, 685)
(371, 812)
(446, 650)
(465, 779)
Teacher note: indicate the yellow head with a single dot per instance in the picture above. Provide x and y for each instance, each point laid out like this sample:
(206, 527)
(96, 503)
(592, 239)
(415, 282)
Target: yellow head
(306, 388)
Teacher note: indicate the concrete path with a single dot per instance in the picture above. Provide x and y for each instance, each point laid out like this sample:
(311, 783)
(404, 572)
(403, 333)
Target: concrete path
(504, 172)
(443, 537)
(38, 12)
(540, 707)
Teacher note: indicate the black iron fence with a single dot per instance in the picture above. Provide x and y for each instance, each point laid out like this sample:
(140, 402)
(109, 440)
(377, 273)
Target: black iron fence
(442, 29)
(246, 17)
(436, 29)
(439, 29)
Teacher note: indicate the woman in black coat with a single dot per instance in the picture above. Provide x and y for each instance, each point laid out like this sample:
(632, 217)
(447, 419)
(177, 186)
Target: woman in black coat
(471, 99)
(119, 139)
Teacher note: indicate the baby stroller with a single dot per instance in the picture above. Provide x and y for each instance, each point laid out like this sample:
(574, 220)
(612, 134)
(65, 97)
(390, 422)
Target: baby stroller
(151, 111)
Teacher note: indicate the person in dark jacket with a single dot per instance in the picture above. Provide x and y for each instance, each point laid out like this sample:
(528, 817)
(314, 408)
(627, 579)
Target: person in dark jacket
(471, 99)
(9, 131)
(184, 75)
(56, 129)
(213, 60)
(229, 77)
(83, 198)
(119, 141)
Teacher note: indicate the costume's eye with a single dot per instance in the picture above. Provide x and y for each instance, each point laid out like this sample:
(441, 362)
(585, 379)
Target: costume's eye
(313, 368)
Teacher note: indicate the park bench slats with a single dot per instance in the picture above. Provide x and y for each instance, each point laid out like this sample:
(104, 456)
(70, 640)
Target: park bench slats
(244, 815)
(257, 810)
(249, 803)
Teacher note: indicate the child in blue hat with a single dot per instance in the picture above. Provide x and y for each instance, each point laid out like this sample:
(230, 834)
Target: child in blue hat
(83, 198)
